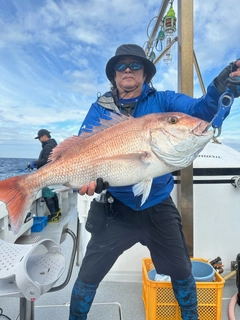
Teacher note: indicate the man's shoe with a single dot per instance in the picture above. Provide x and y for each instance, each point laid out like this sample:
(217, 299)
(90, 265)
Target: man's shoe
(53, 217)
(59, 213)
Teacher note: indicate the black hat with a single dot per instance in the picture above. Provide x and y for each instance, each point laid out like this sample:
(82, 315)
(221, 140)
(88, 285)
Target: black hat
(134, 51)
(42, 132)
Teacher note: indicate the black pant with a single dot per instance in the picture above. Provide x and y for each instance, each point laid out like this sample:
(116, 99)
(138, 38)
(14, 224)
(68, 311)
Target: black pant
(159, 228)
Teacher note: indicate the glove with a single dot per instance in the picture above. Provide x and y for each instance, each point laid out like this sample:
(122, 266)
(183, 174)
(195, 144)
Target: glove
(31, 165)
(101, 185)
(222, 81)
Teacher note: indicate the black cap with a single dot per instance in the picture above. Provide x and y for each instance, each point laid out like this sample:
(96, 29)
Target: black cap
(42, 132)
(134, 51)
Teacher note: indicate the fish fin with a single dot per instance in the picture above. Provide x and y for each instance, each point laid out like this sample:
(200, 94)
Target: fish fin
(133, 158)
(114, 118)
(102, 125)
(143, 188)
(17, 199)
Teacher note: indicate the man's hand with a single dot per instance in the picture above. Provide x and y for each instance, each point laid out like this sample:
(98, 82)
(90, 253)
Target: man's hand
(88, 189)
(31, 165)
(94, 186)
(229, 77)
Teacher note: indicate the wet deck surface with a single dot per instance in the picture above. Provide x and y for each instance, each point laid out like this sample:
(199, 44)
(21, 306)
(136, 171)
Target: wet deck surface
(110, 296)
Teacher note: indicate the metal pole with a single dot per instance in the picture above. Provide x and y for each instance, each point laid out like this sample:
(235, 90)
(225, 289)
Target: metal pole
(198, 73)
(185, 85)
(155, 29)
(26, 309)
(165, 50)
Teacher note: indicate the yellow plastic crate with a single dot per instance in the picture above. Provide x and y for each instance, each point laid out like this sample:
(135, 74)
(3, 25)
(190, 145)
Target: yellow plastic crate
(160, 302)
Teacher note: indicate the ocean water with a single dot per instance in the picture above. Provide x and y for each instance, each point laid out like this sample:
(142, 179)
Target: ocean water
(13, 166)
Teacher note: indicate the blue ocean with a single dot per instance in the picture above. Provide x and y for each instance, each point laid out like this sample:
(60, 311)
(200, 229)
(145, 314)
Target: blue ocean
(13, 166)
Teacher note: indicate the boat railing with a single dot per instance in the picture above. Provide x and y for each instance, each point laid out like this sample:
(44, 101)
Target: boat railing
(38, 209)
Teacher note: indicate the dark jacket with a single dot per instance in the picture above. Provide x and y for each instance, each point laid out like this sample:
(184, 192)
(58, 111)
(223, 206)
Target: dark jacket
(151, 101)
(47, 147)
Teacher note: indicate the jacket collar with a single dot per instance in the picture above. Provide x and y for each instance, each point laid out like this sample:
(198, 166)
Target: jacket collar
(110, 99)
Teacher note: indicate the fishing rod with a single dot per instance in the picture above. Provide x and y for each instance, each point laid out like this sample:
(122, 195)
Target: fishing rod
(21, 170)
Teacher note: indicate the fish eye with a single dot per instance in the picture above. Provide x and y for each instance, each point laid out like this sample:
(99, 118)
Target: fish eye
(172, 120)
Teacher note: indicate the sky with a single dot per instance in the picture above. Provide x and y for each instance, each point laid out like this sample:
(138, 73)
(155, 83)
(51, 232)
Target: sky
(53, 55)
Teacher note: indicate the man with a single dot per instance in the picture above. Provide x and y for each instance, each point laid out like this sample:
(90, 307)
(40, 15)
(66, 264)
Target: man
(49, 196)
(156, 224)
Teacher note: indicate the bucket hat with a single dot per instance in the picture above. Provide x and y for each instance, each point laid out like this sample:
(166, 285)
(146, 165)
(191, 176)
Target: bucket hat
(134, 51)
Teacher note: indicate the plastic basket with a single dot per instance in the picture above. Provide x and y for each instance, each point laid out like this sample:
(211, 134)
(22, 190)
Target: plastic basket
(39, 223)
(160, 302)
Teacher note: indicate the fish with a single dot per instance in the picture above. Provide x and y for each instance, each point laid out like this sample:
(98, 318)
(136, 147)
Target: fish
(121, 150)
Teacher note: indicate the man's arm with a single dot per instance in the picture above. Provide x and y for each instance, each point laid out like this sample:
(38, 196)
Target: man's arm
(207, 106)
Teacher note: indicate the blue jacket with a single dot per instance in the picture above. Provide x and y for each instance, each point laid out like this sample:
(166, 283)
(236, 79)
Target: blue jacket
(151, 101)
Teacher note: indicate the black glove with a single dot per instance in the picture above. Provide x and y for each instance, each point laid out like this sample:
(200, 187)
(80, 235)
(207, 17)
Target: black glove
(222, 81)
(101, 185)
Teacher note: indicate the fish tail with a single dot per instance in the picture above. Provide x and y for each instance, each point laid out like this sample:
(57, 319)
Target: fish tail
(18, 199)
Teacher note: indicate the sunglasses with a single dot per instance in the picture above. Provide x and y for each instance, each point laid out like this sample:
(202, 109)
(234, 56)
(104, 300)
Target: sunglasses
(133, 66)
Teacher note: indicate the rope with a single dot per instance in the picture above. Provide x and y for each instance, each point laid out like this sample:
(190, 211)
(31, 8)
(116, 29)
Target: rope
(3, 315)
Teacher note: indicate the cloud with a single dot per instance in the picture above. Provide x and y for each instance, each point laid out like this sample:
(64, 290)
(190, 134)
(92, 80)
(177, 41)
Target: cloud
(216, 41)
(53, 56)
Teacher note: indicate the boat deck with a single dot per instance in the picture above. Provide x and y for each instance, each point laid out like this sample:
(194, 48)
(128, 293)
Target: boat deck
(111, 296)
(114, 299)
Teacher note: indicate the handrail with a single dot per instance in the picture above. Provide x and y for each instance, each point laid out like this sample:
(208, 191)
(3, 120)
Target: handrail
(70, 267)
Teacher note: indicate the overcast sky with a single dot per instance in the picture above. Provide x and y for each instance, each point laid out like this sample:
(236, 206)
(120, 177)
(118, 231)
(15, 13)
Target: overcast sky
(53, 56)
